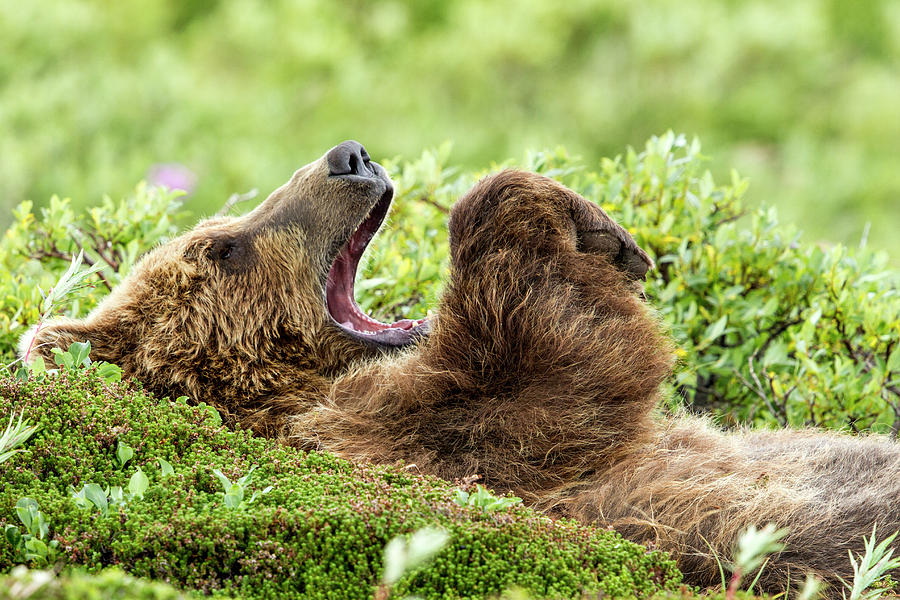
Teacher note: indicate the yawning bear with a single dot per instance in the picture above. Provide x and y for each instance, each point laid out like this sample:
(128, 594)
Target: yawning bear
(541, 370)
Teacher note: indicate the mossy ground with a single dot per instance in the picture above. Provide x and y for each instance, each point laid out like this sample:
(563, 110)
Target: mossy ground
(115, 584)
(318, 534)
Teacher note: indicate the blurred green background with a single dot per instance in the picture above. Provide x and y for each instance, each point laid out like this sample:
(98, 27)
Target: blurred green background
(801, 96)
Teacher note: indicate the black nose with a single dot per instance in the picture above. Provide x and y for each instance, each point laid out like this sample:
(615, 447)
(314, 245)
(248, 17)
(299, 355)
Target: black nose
(349, 158)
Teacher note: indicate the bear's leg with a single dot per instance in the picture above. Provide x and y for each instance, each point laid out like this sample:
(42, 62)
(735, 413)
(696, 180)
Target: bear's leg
(542, 362)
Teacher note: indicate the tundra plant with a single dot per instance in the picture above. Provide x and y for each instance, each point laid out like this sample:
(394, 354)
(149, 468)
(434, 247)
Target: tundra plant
(103, 498)
(34, 545)
(234, 492)
(40, 247)
(483, 498)
(318, 533)
(753, 550)
(14, 436)
(70, 281)
(871, 568)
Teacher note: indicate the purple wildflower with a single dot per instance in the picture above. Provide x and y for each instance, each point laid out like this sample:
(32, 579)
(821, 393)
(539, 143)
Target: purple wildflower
(173, 176)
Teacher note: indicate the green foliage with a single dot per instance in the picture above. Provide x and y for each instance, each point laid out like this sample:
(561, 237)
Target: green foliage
(812, 588)
(108, 584)
(319, 532)
(78, 355)
(124, 453)
(773, 330)
(871, 568)
(233, 493)
(801, 96)
(15, 434)
(483, 498)
(753, 549)
(70, 281)
(91, 494)
(45, 251)
(34, 545)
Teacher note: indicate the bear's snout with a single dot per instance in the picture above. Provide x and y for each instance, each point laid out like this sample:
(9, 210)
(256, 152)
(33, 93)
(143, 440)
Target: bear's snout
(349, 158)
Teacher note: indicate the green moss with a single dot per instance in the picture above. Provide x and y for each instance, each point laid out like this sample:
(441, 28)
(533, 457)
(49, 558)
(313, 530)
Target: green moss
(320, 531)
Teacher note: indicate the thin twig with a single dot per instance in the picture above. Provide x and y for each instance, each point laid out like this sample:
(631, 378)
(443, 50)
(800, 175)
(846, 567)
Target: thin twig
(99, 245)
(427, 199)
(759, 390)
(234, 200)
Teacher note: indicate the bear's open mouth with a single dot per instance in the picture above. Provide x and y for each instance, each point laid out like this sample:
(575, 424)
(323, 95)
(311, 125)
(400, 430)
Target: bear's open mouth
(339, 289)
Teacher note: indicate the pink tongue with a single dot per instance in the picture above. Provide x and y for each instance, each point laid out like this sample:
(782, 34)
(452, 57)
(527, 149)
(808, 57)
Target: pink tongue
(404, 324)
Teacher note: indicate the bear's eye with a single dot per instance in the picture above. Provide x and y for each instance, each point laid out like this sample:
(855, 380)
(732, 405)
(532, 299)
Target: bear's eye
(221, 249)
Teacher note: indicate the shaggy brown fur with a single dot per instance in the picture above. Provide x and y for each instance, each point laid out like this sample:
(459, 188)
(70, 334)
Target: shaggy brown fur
(541, 372)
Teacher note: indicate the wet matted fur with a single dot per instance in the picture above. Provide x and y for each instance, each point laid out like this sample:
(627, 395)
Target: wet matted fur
(541, 371)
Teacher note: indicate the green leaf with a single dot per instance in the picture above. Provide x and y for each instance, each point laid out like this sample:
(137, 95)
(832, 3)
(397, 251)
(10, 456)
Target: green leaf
(258, 494)
(138, 484)
(40, 526)
(236, 491)
(716, 329)
(97, 496)
(109, 372)
(394, 560)
(402, 555)
(893, 362)
(246, 479)
(165, 468)
(79, 498)
(36, 548)
(124, 453)
(13, 535)
(214, 414)
(81, 352)
(424, 544)
(116, 495)
(63, 359)
(38, 366)
(234, 497)
(226, 483)
(27, 511)
(22, 373)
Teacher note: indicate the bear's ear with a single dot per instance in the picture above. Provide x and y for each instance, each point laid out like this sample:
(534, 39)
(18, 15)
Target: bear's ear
(62, 332)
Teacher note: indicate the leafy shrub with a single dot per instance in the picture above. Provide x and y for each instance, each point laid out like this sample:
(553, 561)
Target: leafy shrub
(771, 329)
(40, 246)
(319, 531)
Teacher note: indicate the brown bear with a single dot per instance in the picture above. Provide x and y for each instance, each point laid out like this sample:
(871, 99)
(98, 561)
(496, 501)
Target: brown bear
(541, 371)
